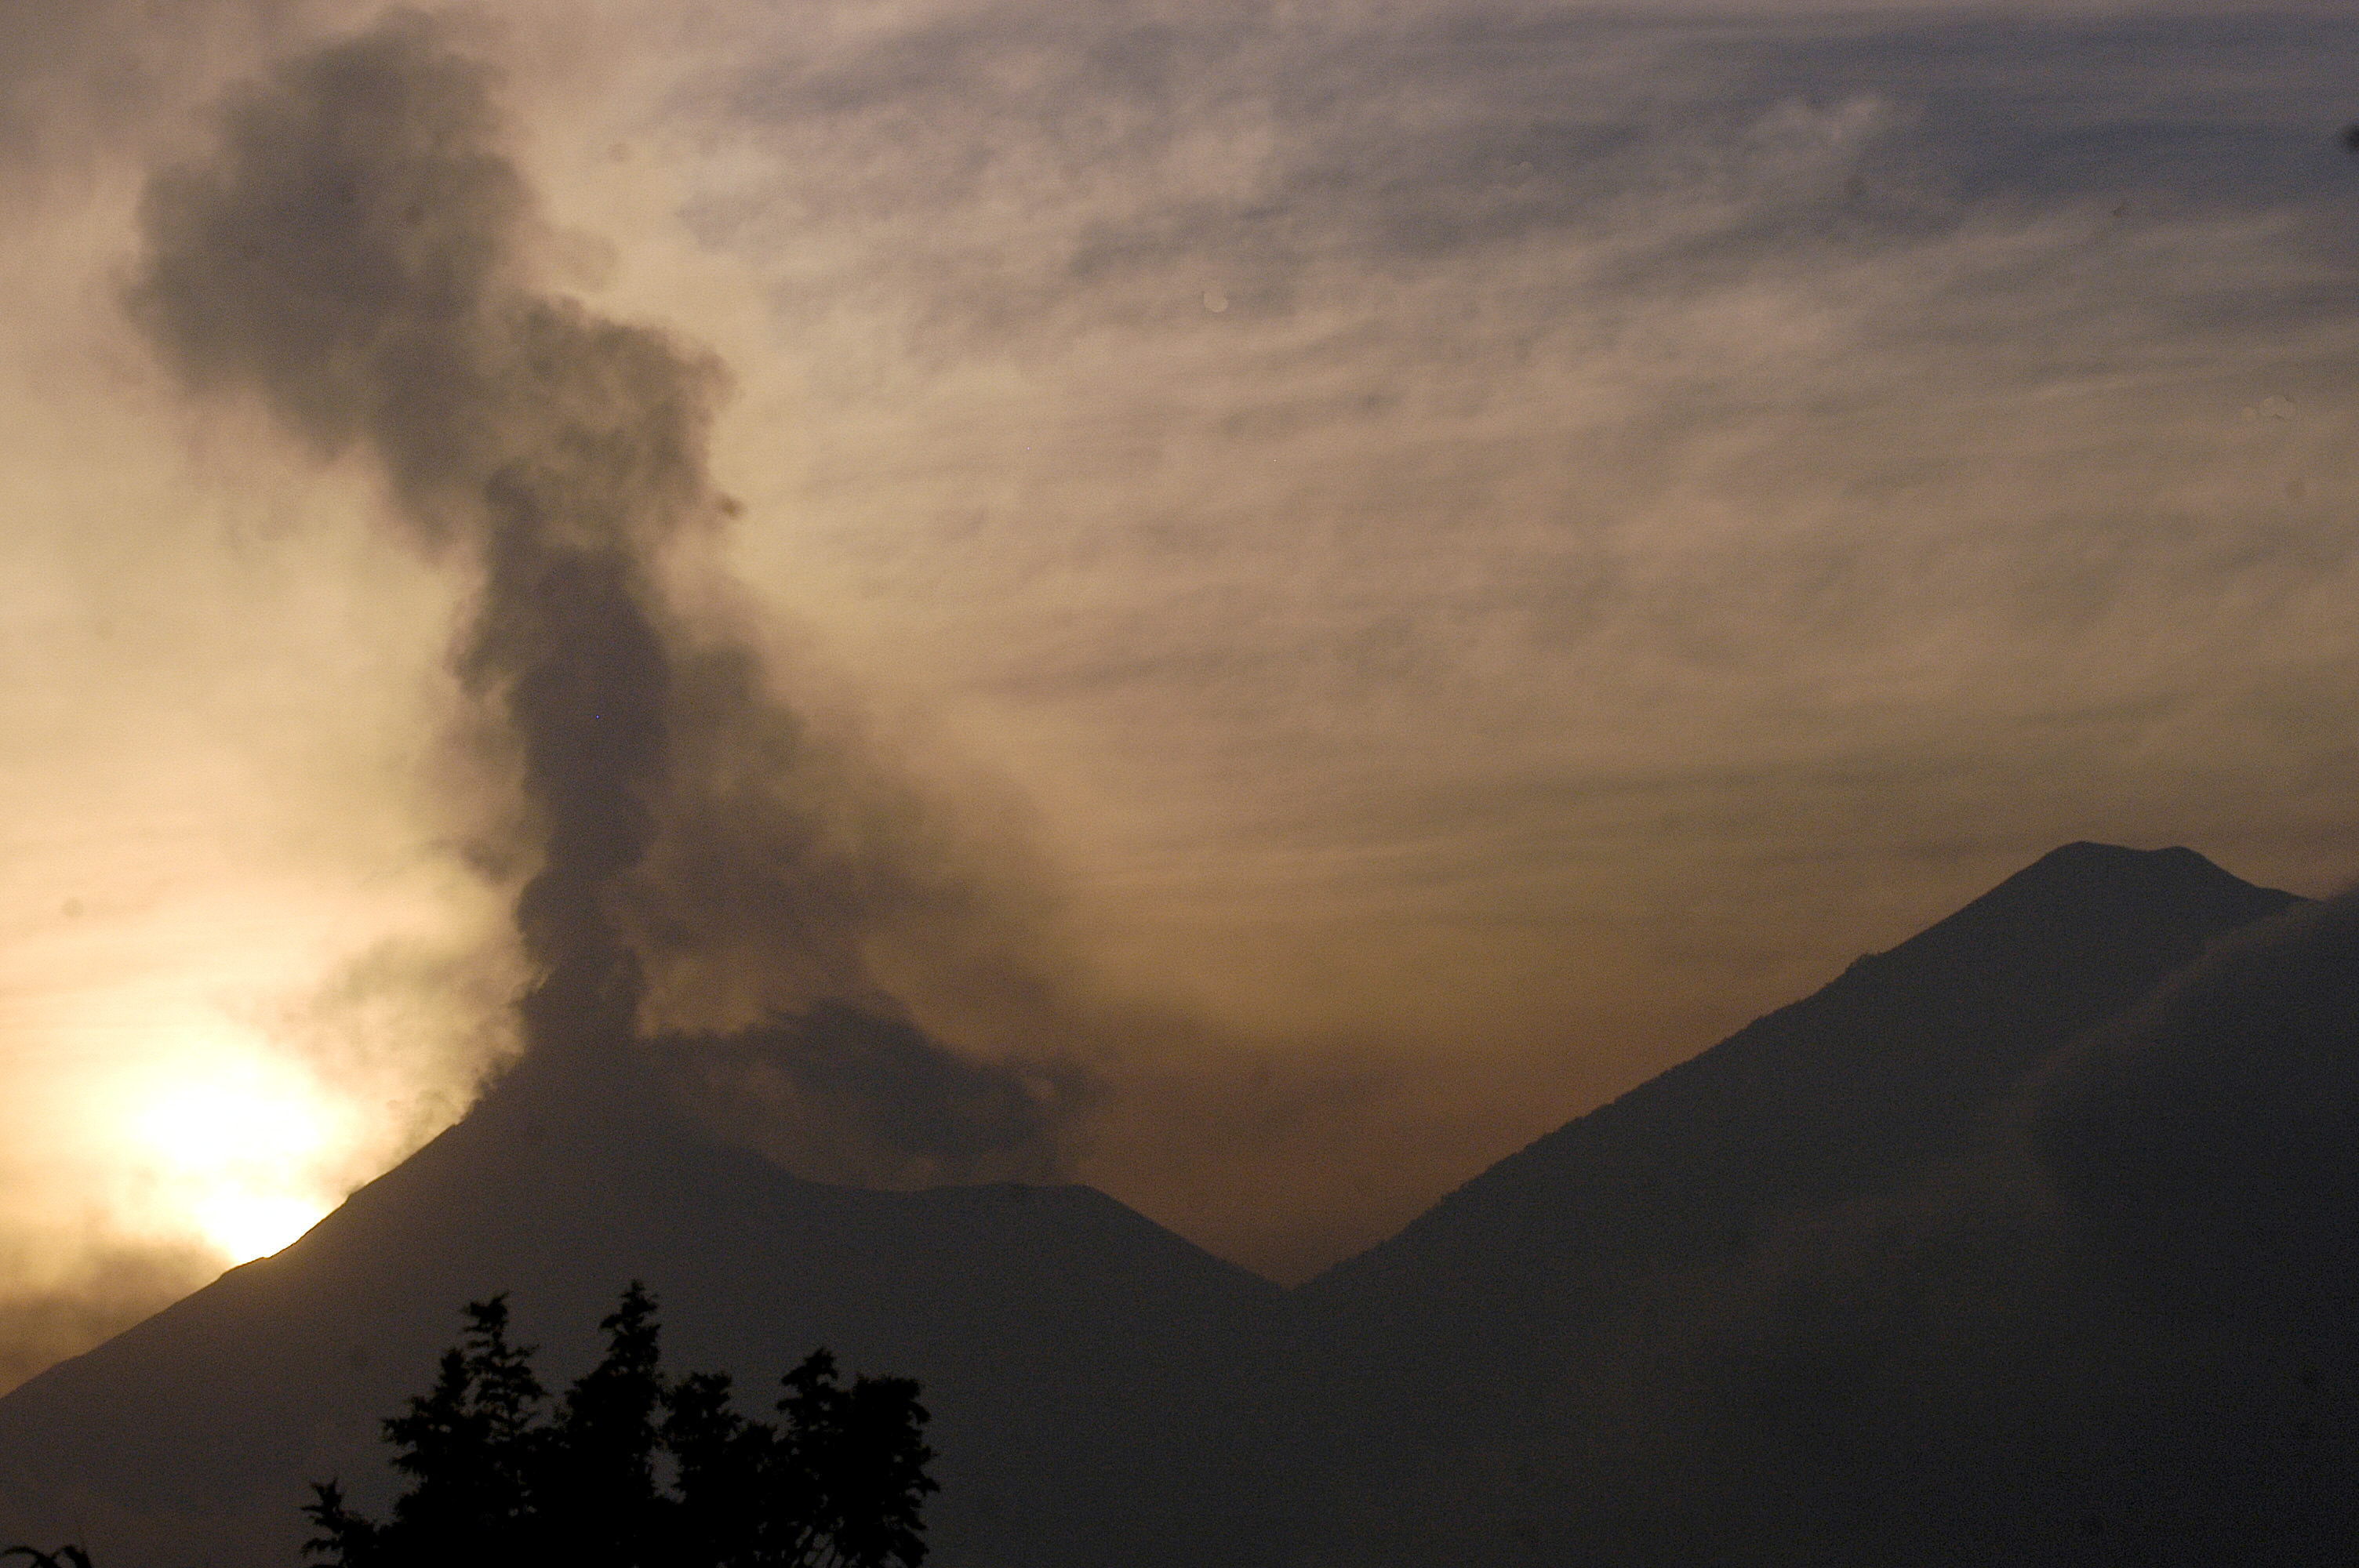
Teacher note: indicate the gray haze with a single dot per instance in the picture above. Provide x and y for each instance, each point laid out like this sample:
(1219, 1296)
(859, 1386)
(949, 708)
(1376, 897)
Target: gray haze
(1354, 581)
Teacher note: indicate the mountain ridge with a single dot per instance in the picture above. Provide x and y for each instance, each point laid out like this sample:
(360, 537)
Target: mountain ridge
(2076, 866)
(1104, 1390)
(1441, 1334)
(1073, 1349)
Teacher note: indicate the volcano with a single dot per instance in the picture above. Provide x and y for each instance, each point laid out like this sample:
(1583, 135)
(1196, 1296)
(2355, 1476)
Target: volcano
(715, 872)
(1871, 1080)
(1103, 1391)
(1087, 1369)
(1448, 1342)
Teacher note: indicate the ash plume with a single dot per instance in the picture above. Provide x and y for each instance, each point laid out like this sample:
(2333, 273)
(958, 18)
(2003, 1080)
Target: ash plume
(358, 255)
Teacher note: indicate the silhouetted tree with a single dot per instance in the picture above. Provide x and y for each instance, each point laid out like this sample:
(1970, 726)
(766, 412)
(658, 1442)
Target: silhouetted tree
(839, 1482)
(851, 1468)
(724, 1476)
(599, 1506)
(474, 1453)
(63, 1557)
(842, 1483)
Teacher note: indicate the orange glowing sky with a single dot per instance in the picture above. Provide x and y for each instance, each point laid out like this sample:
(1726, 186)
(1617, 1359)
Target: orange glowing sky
(1466, 549)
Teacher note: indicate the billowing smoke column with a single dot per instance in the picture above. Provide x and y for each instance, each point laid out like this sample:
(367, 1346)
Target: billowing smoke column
(358, 255)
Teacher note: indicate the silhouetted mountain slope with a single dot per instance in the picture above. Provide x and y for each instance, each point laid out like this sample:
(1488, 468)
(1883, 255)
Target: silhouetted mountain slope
(2122, 1330)
(1921, 1254)
(1880, 1075)
(1084, 1366)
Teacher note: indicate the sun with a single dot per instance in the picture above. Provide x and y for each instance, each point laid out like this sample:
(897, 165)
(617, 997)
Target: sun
(235, 1145)
(244, 1224)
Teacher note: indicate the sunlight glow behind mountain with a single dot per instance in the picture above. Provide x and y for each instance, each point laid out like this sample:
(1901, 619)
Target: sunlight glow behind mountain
(1445, 555)
(237, 1149)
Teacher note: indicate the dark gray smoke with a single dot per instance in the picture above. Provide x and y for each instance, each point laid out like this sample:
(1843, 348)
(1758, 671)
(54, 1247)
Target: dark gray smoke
(359, 257)
(868, 1092)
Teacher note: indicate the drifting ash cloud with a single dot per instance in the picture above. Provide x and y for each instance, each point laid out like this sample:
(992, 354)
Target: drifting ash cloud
(1480, 522)
(1493, 542)
(47, 1317)
(360, 257)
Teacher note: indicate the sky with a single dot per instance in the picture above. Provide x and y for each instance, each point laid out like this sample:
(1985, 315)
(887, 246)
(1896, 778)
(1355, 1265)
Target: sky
(1365, 578)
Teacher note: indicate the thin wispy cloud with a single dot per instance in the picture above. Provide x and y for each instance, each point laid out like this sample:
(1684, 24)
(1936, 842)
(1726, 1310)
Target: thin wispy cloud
(1436, 559)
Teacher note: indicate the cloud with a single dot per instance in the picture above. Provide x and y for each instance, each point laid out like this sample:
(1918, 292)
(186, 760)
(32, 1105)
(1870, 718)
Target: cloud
(360, 257)
(1570, 381)
(108, 1291)
(1418, 563)
(863, 1095)
(1663, 505)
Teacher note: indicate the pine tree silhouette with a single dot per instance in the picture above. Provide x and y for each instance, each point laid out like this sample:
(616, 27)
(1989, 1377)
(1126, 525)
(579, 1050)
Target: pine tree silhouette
(840, 1483)
(599, 1507)
(473, 1450)
(853, 1467)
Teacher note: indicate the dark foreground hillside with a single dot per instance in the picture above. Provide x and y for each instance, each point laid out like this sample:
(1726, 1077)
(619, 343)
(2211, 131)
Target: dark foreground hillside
(2022, 1242)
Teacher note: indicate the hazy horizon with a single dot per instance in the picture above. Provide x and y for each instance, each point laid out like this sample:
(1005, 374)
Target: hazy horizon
(1389, 572)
